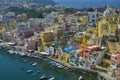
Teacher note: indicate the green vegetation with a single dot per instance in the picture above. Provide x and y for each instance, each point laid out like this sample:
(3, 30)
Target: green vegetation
(70, 10)
(87, 9)
(30, 12)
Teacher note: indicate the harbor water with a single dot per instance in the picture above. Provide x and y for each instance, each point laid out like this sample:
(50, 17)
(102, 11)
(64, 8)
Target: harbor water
(12, 67)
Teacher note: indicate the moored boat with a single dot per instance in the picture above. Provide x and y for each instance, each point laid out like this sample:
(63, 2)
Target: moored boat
(34, 64)
(52, 78)
(11, 51)
(80, 78)
(29, 71)
(43, 77)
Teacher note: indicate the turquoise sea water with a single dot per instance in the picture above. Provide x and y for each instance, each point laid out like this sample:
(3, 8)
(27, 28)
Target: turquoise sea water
(10, 69)
(87, 3)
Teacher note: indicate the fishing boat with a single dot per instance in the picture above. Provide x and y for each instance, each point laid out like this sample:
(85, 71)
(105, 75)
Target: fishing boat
(80, 78)
(11, 51)
(16, 52)
(29, 71)
(34, 74)
(34, 64)
(22, 54)
(43, 77)
(59, 65)
(52, 78)
(24, 60)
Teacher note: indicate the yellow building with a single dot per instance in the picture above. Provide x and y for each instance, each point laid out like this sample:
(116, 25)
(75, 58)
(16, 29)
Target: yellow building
(79, 37)
(2, 27)
(82, 20)
(65, 57)
(46, 38)
(108, 24)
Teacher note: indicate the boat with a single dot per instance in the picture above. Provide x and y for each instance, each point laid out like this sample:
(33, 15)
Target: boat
(43, 77)
(22, 54)
(29, 71)
(11, 51)
(52, 78)
(24, 60)
(80, 78)
(34, 64)
(28, 54)
(16, 52)
(38, 71)
(34, 74)
(60, 66)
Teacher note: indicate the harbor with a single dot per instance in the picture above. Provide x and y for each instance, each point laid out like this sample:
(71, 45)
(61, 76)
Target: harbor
(47, 42)
(52, 62)
(27, 67)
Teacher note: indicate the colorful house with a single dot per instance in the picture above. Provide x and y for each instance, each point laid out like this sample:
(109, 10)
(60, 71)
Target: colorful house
(83, 57)
(79, 37)
(114, 68)
(45, 39)
(108, 24)
(29, 44)
(66, 53)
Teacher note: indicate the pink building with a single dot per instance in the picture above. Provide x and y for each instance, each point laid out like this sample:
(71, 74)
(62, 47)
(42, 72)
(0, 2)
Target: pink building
(29, 44)
(26, 33)
(36, 27)
(115, 58)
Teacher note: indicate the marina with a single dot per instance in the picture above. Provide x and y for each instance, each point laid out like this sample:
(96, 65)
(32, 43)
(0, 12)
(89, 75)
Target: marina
(22, 66)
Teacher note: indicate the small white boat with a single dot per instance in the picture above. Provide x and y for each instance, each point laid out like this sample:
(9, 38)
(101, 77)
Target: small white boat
(22, 54)
(24, 60)
(16, 52)
(29, 71)
(34, 64)
(43, 77)
(52, 78)
(11, 51)
(59, 65)
(80, 78)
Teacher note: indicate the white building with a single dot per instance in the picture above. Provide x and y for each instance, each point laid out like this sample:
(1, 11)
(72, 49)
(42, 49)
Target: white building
(92, 18)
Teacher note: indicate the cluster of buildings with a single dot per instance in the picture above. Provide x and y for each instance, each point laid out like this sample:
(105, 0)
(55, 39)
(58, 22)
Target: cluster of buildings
(81, 39)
